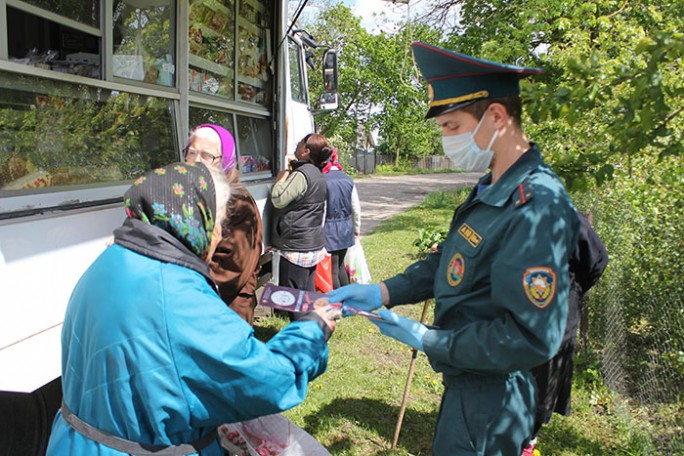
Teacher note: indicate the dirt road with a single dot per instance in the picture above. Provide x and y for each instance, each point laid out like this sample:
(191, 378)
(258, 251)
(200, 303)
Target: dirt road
(383, 196)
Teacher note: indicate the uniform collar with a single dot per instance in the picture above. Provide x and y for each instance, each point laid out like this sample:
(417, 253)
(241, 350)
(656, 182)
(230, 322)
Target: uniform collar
(500, 192)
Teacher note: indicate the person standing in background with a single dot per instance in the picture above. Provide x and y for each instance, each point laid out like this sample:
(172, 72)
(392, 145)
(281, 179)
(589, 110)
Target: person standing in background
(299, 198)
(342, 217)
(235, 264)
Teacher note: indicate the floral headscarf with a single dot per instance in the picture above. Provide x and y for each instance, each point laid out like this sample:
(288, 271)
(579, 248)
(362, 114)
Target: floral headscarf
(178, 198)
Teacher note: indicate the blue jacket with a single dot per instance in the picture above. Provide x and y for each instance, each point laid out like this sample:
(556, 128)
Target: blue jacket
(151, 353)
(339, 225)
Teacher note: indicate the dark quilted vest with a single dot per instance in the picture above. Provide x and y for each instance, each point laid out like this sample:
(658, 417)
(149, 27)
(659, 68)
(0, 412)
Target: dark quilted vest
(299, 226)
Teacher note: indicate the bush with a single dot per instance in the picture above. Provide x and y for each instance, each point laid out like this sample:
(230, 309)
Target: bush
(636, 312)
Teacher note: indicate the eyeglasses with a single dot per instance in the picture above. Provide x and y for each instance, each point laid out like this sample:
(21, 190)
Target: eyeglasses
(206, 156)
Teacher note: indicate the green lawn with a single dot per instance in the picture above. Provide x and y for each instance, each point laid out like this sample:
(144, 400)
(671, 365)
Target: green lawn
(352, 409)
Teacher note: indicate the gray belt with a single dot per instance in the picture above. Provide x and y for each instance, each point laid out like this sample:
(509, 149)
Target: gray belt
(135, 448)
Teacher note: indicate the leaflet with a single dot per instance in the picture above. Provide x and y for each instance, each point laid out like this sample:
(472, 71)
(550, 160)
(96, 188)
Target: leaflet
(292, 300)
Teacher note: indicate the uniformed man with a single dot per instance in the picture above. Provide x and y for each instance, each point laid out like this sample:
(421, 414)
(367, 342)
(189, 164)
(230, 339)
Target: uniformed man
(500, 279)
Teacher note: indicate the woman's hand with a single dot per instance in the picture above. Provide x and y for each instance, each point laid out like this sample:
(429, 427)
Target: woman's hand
(330, 315)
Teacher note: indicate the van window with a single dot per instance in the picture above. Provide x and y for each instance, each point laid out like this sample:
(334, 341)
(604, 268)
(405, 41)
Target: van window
(57, 135)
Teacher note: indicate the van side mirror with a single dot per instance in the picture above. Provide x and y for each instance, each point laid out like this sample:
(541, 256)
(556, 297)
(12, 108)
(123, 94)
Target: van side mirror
(329, 99)
(330, 70)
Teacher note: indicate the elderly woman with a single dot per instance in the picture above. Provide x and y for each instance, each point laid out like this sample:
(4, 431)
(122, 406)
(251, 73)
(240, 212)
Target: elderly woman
(152, 360)
(235, 264)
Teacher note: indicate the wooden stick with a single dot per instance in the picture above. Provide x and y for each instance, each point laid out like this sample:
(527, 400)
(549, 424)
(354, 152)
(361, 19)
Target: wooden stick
(409, 379)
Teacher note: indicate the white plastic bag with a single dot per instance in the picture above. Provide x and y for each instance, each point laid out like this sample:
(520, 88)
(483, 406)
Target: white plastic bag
(355, 262)
(272, 435)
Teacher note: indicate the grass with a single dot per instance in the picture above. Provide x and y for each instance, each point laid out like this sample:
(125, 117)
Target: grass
(401, 170)
(352, 409)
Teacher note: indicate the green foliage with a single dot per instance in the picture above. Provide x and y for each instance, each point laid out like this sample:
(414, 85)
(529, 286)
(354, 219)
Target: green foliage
(612, 89)
(428, 238)
(379, 86)
(640, 221)
(406, 168)
(445, 200)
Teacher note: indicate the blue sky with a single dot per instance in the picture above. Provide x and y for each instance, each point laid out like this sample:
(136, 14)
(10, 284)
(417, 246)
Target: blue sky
(378, 15)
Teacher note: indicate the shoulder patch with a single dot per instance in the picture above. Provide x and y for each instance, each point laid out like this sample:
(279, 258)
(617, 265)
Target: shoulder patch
(539, 284)
(522, 193)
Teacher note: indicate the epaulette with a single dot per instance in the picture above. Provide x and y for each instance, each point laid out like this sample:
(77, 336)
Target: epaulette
(522, 193)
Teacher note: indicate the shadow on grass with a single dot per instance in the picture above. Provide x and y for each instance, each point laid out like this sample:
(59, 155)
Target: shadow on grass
(374, 415)
(264, 330)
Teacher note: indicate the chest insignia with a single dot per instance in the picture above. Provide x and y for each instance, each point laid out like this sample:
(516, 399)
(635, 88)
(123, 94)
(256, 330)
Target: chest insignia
(470, 235)
(540, 285)
(455, 270)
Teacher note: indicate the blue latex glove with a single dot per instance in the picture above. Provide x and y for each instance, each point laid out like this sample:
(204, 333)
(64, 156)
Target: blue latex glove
(403, 329)
(362, 297)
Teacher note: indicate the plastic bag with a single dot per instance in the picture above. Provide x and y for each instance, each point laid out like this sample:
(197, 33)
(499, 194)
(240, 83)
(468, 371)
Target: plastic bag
(272, 435)
(323, 279)
(355, 262)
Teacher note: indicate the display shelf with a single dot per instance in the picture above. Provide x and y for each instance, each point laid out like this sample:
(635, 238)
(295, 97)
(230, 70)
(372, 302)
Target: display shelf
(206, 31)
(251, 81)
(208, 65)
(214, 6)
(242, 22)
(211, 18)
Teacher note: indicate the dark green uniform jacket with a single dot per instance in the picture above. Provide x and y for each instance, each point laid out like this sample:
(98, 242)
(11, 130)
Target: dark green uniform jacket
(500, 279)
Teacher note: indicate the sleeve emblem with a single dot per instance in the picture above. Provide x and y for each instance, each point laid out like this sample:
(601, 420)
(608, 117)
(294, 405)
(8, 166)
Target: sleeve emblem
(540, 285)
(455, 270)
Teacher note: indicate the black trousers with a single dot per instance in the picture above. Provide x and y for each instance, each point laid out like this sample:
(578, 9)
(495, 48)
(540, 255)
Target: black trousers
(340, 276)
(294, 276)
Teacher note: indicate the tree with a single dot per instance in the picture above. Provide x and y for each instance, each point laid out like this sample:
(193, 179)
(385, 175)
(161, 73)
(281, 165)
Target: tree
(612, 89)
(379, 86)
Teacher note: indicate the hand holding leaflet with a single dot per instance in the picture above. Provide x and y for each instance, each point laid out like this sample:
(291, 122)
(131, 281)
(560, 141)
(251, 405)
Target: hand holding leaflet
(293, 300)
(361, 297)
(402, 329)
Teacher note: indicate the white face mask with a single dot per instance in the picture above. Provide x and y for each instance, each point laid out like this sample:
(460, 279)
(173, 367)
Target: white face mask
(464, 152)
